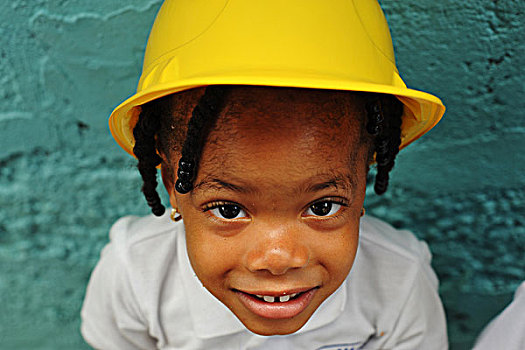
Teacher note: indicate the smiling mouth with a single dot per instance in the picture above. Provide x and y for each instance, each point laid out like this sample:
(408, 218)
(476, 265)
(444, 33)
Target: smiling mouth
(278, 306)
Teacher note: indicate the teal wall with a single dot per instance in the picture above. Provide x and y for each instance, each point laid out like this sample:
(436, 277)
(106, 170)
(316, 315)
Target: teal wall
(64, 64)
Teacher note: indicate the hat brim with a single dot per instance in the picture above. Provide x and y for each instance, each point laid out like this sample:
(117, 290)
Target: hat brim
(421, 113)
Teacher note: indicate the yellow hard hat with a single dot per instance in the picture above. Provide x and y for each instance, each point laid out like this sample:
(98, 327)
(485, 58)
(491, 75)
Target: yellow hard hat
(328, 44)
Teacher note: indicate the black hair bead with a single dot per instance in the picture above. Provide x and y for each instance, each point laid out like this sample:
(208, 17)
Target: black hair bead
(183, 187)
(377, 118)
(184, 175)
(372, 128)
(158, 210)
(185, 165)
(384, 122)
(382, 146)
(374, 108)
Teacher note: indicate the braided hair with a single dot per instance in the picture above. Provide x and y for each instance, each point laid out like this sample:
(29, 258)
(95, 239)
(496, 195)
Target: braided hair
(387, 132)
(146, 130)
(200, 124)
(383, 122)
(146, 152)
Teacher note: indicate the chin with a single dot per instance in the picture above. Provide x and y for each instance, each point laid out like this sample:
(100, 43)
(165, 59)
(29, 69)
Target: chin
(275, 327)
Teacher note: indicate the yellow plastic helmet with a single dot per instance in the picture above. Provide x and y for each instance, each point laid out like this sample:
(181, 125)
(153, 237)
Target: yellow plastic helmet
(328, 44)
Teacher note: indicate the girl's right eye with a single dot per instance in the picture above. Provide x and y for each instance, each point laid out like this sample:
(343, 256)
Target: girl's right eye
(227, 211)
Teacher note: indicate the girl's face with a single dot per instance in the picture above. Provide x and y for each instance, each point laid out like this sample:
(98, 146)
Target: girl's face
(274, 214)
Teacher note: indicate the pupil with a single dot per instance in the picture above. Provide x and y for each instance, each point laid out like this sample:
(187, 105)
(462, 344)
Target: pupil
(229, 211)
(321, 209)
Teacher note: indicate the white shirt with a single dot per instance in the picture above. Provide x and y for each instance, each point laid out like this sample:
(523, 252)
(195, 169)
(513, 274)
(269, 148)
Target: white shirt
(143, 294)
(507, 331)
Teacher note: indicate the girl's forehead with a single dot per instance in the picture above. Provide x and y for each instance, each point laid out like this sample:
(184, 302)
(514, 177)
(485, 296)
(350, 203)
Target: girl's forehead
(269, 122)
(285, 130)
(275, 102)
(265, 96)
(277, 107)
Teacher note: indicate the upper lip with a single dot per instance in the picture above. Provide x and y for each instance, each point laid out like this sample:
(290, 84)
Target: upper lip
(276, 293)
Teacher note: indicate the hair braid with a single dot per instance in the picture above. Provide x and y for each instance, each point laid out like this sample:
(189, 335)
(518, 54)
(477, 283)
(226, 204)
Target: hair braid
(148, 159)
(384, 121)
(203, 117)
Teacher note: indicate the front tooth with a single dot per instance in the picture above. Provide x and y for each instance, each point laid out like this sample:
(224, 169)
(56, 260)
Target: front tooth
(284, 298)
(259, 296)
(269, 299)
(293, 295)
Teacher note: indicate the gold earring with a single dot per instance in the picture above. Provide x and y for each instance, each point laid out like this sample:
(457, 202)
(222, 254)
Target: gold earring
(175, 215)
(363, 211)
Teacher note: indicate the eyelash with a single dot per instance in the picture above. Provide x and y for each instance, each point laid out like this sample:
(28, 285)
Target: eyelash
(213, 205)
(333, 200)
(216, 205)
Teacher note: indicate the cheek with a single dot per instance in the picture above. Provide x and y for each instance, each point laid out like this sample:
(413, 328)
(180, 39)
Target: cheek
(338, 252)
(211, 255)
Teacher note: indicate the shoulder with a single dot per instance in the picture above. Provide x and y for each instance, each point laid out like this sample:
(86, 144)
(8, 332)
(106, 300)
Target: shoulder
(122, 295)
(376, 232)
(386, 245)
(394, 289)
(132, 236)
(146, 249)
(131, 230)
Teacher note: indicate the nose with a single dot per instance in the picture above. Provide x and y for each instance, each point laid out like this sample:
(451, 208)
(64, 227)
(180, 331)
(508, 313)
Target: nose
(277, 251)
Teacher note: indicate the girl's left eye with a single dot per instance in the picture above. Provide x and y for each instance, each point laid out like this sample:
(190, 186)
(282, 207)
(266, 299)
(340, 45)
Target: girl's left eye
(228, 211)
(324, 208)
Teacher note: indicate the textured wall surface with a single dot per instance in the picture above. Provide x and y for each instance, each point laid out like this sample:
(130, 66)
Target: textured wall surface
(66, 63)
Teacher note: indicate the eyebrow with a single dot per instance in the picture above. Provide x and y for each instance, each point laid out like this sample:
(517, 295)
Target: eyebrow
(344, 182)
(337, 182)
(212, 183)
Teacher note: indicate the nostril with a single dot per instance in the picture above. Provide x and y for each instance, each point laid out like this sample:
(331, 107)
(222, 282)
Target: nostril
(277, 260)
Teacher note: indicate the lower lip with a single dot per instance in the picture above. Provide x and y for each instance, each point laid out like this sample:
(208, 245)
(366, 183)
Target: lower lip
(277, 310)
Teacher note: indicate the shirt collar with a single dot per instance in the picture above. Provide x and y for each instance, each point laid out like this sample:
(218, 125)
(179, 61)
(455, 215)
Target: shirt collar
(329, 310)
(211, 318)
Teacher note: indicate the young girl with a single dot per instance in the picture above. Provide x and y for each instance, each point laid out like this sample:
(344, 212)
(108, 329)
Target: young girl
(264, 118)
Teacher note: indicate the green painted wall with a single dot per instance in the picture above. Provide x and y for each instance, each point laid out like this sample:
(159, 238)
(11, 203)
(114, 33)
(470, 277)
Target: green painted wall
(64, 64)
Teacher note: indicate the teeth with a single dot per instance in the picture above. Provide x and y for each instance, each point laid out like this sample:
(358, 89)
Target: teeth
(284, 298)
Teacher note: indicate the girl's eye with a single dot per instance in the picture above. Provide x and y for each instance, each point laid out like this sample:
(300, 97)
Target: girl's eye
(325, 208)
(228, 211)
